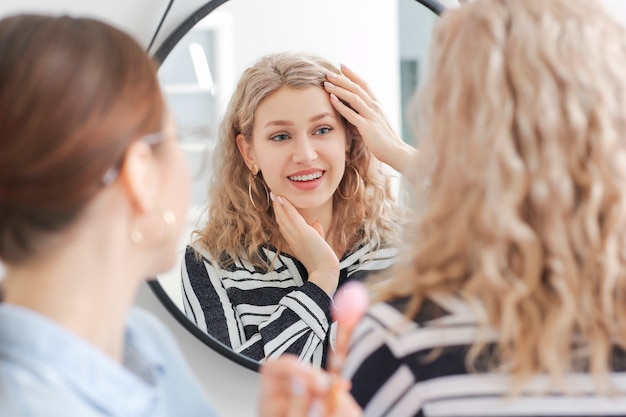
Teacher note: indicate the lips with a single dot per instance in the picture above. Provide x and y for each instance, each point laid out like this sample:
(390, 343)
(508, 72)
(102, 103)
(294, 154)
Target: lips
(306, 177)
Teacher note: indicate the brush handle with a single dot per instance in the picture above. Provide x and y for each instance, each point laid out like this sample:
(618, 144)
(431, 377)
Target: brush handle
(350, 304)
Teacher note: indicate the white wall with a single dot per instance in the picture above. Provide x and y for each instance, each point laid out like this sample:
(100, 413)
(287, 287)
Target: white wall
(617, 9)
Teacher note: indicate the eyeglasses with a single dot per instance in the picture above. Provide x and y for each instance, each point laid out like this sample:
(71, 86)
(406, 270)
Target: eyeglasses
(150, 139)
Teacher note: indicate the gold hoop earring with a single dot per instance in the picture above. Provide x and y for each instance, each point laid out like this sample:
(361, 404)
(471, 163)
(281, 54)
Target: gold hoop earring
(359, 182)
(169, 220)
(254, 179)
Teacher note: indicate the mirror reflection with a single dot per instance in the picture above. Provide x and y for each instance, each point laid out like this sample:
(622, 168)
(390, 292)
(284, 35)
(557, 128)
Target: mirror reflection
(386, 46)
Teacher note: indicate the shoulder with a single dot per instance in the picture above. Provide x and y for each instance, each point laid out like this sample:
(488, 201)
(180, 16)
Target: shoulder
(372, 246)
(159, 351)
(198, 263)
(198, 256)
(143, 322)
(149, 335)
(387, 328)
(438, 313)
(23, 396)
(195, 253)
(369, 256)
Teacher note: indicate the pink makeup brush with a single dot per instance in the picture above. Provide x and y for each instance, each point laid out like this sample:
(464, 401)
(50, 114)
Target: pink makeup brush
(349, 305)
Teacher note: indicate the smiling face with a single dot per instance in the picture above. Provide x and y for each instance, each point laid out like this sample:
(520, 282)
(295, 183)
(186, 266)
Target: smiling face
(299, 143)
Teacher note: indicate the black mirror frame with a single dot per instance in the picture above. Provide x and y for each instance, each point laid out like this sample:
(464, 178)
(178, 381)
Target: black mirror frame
(161, 53)
(213, 343)
(173, 38)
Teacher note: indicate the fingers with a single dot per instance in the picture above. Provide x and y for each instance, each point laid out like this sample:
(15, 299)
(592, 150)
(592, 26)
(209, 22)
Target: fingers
(290, 222)
(292, 389)
(300, 401)
(279, 210)
(352, 76)
(276, 387)
(350, 81)
(354, 99)
(347, 407)
(351, 115)
(282, 367)
(318, 228)
(339, 402)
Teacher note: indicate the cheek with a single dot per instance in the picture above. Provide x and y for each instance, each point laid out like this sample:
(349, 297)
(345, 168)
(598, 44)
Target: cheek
(270, 161)
(272, 171)
(179, 184)
(339, 152)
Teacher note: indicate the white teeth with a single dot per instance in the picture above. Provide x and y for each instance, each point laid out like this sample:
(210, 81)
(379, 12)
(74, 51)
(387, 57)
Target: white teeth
(309, 177)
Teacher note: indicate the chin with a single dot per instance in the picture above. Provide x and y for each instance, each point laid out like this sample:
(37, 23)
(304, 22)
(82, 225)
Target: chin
(309, 203)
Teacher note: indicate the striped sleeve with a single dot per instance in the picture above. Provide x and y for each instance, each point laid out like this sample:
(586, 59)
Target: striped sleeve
(206, 302)
(260, 315)
(298, 325)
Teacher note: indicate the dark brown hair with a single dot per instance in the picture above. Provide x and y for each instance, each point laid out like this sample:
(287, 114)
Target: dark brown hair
(74, 93)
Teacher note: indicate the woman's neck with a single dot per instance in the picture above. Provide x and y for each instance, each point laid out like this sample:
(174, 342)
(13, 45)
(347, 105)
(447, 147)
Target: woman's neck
(78, 292)
(323, 215)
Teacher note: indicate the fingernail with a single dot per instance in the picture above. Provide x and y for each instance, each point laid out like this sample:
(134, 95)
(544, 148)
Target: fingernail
(344, 67)
(331, 74)
(316, 409)
(334, 97)
(323, 381)
(297, 386)
(272, 196)
(328, 85)
(280, 200)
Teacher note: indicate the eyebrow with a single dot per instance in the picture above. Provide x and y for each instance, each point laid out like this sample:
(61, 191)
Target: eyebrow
(288, 123)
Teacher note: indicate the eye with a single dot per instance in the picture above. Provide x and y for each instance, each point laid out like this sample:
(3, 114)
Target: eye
(324, 130)
(279, 137)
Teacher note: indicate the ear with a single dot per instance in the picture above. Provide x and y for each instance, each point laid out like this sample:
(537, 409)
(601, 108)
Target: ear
(139, 177)
(246, 149)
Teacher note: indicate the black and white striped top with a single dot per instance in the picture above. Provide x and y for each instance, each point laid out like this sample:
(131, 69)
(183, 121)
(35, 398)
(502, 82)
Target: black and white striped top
(265, 314)
(393, 376)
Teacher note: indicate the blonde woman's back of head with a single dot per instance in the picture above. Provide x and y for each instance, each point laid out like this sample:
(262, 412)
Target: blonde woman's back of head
(523, 131)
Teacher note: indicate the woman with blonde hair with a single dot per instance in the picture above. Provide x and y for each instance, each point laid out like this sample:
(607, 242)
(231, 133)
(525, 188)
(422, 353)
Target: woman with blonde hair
(509, 298)
(247, 279)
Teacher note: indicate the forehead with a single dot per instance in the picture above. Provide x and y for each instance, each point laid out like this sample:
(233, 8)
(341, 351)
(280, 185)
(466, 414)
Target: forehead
(295, 105)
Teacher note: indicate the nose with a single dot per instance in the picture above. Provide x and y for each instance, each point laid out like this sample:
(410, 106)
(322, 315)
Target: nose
(304, 151)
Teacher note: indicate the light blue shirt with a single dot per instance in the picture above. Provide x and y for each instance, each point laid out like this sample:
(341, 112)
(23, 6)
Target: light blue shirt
(46, 370)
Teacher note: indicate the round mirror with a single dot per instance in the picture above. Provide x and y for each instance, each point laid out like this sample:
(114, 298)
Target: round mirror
(385, 42)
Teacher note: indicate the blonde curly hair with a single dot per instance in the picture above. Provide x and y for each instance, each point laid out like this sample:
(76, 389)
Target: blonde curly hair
(234, 226)
(522, 181)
